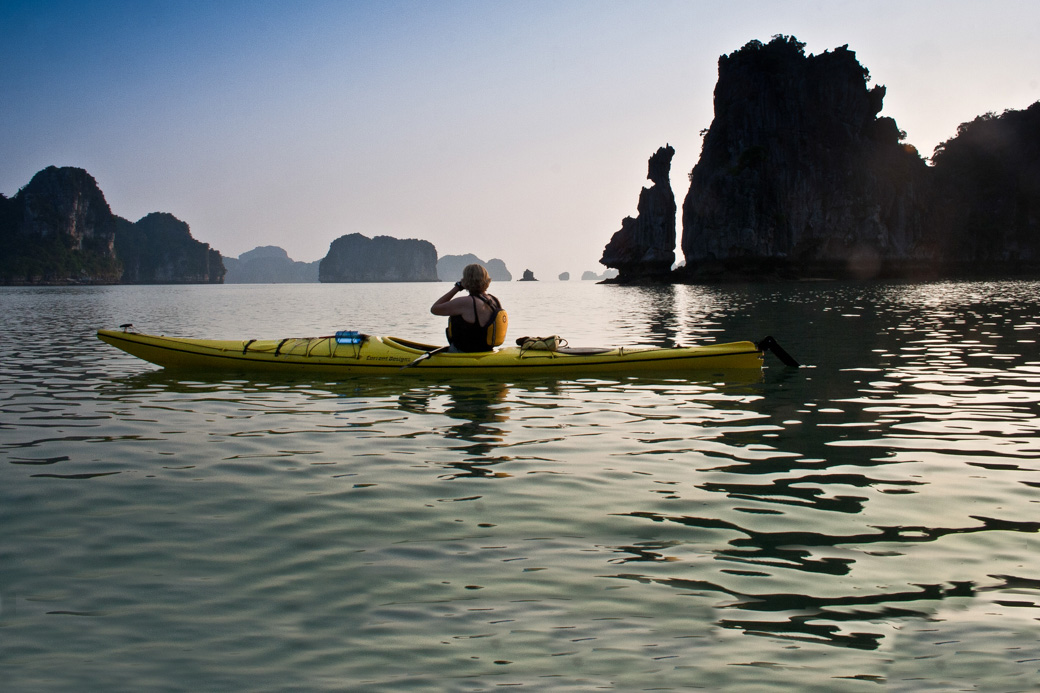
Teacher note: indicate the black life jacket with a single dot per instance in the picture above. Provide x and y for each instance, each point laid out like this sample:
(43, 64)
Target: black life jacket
(472, 336)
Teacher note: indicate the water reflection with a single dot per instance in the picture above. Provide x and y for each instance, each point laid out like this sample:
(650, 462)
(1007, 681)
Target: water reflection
(819, 617)
(479, 409)
(655, 310)
(670, 315)
(936, 384)
(809, 491)
(879, 502)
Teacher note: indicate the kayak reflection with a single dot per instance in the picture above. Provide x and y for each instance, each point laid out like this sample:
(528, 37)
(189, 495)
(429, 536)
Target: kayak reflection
(480, 410)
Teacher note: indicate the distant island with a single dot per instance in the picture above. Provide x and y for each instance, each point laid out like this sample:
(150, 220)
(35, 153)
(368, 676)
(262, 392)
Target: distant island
(268, 265)
(798, 177)
(271, 264)
(449, 267)
(357, 258)
(59, 229)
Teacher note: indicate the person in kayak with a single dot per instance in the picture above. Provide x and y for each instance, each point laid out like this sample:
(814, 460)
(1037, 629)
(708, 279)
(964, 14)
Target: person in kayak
(476, 322)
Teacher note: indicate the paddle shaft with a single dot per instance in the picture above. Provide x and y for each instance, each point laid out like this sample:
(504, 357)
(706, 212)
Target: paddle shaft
(427, 355)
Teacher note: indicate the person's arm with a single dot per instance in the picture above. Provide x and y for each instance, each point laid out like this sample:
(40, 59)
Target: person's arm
(443, 305)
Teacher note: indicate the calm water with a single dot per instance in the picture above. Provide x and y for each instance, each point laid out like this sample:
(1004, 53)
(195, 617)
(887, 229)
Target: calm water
(866, 523)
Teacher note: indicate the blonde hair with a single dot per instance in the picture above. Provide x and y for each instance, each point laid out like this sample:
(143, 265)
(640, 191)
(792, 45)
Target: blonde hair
(475, 279)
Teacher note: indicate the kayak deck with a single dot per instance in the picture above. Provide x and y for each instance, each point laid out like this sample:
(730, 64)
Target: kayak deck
(388, 355)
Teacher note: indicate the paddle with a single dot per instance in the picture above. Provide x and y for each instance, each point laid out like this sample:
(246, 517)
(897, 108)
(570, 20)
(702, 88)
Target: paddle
(427, 355)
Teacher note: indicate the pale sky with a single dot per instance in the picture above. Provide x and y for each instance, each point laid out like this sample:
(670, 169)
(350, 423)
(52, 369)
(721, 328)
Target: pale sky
(513, 130)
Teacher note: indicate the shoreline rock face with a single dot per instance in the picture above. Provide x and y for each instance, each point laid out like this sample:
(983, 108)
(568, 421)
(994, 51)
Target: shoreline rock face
(644, 247)
(798, 172)
(357, 258)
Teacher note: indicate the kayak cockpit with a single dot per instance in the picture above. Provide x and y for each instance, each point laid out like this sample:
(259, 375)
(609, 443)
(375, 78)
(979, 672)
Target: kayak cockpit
(399, 343)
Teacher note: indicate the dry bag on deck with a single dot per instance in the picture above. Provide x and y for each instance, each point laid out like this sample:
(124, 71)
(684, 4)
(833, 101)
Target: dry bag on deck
(553, 343)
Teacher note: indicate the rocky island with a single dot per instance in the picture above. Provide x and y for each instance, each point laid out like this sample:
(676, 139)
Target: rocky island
(268, 264)
(590, 276)
(799, 177)
(159, 249)
(449, 267)
(59, 229)
(797, 172)
(357, 258)
(644, 247)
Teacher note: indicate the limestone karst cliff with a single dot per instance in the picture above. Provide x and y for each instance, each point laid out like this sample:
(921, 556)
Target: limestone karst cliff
(159, 249)
(798, 176)
(644, 247)
(357, 258)
(59, 229)
(798, 172)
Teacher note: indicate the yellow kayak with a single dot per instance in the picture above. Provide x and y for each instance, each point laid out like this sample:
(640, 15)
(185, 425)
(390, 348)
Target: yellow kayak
(351, 353)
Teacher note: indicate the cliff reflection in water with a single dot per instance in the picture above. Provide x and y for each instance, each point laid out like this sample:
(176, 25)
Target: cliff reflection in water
(873, 473)
(669, 315)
